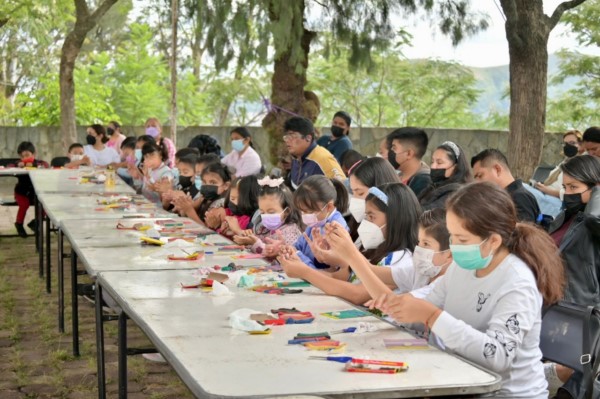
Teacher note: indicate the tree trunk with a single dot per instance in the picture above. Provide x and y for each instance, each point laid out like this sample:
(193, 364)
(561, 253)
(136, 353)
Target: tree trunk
(528, 50)
(174, 18)
(287, 92)
(527, 31)
(70, 50)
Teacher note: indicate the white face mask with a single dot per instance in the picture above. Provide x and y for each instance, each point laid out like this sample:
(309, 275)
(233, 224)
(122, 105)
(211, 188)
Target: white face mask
(423, 262)
(371, 235)
(76, 157)
(357, 208)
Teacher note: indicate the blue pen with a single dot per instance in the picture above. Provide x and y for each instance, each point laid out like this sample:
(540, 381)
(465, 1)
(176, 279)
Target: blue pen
(339, 359)
(345, 330)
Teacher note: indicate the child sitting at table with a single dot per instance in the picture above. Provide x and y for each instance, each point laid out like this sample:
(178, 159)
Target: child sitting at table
(280, 222)
(320, 200)
(184, 181)
(216, 180)
(24, 192)
(389, 236)
(241, 204)
(76, 156)
(154, 170)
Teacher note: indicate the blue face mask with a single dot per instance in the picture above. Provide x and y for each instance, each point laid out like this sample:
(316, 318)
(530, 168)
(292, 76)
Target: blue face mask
(138, 154)
(469, 256)
(198, 182)
(238, 145)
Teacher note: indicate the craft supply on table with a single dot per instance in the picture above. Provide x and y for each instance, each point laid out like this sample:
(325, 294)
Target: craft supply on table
(266, 289)
(345, 314)
(189, 257)
(375, 366)
(325, 345)
(151, 241)
(405, 343)
(292, 284)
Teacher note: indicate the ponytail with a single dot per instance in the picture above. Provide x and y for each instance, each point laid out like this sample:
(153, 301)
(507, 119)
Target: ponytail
(537, 249)
(342, 201)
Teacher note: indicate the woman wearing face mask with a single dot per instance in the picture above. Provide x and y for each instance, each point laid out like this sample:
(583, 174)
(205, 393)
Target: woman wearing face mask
(576, 230)
(338, 143)
(548, 193)
(154, 129)
(488, 306)
(243, 159)
(96, 150)
(320, 200)
(389, 236)
(372, 172)
(116, 137)
(449, 171)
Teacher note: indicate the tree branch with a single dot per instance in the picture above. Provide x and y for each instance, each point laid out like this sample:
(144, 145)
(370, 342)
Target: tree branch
(560, 10)
(509, 7)
(102, 9)
(81, 10)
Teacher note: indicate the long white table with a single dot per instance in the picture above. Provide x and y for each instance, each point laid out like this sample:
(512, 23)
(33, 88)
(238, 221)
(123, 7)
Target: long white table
(100, 246)
(190, 329)
(13, 171)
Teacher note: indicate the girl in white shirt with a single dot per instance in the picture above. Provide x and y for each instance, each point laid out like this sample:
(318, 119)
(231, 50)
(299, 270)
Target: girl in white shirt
(243, 158)
(488, 306)
(96, 150)
(388, 234)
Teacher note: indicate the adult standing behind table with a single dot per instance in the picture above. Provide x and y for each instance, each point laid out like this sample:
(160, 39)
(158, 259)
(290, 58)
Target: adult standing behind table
(243, 159)
(116, 137)
(492, 166)
(308, 158)
(96, 150)
(154, 129)
(338, 143)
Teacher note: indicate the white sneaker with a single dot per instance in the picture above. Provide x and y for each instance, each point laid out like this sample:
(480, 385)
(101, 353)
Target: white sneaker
(154, 357)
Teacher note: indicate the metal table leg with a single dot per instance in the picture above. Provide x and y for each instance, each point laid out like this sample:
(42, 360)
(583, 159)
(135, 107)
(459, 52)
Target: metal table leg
(61, 282)
(122, 355)
(100, 344)
(40, 236)
(48, 255)
(75, 304)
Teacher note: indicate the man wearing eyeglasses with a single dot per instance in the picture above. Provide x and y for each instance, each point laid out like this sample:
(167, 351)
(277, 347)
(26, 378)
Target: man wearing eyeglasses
(308, 158)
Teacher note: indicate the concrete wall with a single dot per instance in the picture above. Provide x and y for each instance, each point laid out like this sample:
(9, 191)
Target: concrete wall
(366, 140)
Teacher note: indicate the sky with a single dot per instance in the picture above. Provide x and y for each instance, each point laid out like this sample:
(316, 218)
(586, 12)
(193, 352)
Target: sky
(488, 48)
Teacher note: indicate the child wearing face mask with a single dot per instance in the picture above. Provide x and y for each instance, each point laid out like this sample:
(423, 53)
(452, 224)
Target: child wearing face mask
(241, 204)
(76, 156)
(24, 192)
(389, 236)
(320, 200)
(216, 180)
(280, 222)
(154, 171)
(184, 176)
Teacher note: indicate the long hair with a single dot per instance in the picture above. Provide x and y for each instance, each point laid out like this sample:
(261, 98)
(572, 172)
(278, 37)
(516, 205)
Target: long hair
(318, 190)
(285, 197)
(248, 189)
(485, 209)
(402, 220)
(584, 168)
(462, 171)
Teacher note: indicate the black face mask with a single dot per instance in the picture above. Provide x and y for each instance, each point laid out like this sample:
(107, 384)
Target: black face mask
(572, 204)
(337, 131)
(392, 159)
(91, 140)
(570, 150)
(234, 208)
(438, 176)
(110, 131)
(185, 181)
(209, 191)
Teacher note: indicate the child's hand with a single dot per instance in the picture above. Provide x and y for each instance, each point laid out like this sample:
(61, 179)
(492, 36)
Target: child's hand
(163, 186)
(215, 217)
(184, 204)
(233, 224)
(245, 239)
(323, 251)
(21, 165)
(339, 239)
(273, 246)
(292, 265)
(405, 308)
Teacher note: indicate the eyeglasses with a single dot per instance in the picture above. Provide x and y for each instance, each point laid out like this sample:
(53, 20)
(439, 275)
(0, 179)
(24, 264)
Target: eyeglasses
(291, 136)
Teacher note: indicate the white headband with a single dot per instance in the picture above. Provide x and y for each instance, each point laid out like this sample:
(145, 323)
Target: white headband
(454, 148)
